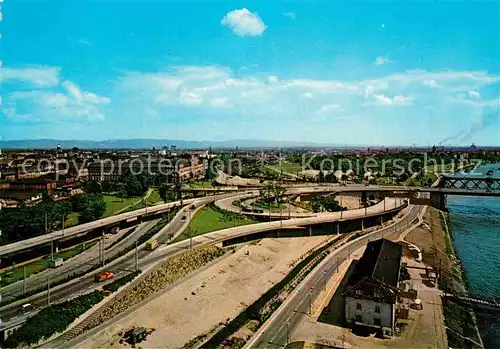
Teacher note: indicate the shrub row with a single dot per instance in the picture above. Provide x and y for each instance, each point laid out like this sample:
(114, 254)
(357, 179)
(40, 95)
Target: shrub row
(161, 277)
(52, 320)
(70, 277)
(58, 317)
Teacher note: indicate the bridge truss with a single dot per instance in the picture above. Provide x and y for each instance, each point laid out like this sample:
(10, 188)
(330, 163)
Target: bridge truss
(488, 184)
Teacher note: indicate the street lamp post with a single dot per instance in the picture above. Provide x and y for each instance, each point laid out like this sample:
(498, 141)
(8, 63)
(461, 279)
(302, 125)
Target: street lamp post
(63, 225)
(24, 280)
(269, 211)
(287, 332)
(190, 239)
(309, 296)
(48, 291)
(136, 258)
(281, 216)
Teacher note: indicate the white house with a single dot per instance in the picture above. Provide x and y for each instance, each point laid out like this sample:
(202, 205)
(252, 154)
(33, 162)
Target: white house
(371, 292)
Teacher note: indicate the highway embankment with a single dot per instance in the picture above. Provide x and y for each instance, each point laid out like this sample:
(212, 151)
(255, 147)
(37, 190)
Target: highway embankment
(435, 242)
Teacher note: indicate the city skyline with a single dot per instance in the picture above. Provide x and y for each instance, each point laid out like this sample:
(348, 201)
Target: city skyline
(332, 73)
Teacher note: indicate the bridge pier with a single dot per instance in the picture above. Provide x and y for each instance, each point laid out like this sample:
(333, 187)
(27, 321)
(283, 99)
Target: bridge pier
(438, 200)
(338, 228)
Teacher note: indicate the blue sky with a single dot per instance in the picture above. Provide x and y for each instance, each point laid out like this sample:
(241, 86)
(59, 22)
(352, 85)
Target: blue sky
(382, 73)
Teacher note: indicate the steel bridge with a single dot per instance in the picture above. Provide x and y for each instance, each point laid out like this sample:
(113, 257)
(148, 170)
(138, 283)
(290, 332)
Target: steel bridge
(487, 184)
(474, 299)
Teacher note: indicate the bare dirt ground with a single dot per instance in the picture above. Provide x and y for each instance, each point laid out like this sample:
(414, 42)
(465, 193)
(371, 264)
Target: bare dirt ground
(351, 201)
(213, 296)
(424, 328)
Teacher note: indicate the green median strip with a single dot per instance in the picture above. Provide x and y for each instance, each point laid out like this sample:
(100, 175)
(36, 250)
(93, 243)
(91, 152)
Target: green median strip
(17, 273)
(210, 218)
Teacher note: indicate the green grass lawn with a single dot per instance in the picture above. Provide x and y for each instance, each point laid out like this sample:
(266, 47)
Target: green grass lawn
(72, 219)
(288, 167)
(16, 274)
(209, 219)
(114, 204)
(154, 197)
(275, 207)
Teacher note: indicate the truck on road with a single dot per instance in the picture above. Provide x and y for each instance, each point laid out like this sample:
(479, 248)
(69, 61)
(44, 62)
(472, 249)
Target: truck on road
(151, 244)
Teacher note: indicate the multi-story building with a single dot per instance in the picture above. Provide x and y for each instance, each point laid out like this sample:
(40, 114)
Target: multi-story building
(39, 184)
(372, 290)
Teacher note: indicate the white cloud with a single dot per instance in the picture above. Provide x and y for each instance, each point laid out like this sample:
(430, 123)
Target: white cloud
(396, 100)
(431, 83)
(382, 60)
(330, 109)
(190, 98)
(273, 80)
(307, 95)
(38, 76)
(221, 102)
(244, 22)
(290, 15)
(82, 97)
(474, 94)
(219, 92)
(51, 104)
(323, 85)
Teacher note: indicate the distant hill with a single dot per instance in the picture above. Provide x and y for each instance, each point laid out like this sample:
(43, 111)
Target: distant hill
(150, 143)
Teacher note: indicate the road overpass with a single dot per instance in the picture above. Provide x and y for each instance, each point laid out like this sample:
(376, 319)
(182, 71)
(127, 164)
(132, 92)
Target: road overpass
(436, 198)
(275, 331)
(102, 223)
(125, 264)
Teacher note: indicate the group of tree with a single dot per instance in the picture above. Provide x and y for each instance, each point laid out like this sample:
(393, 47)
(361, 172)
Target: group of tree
(129, 185)
(329, 177)
(169, 192)
(324, 203)
(271, 192)
(89, 206)
(30, 221)
(401, 165)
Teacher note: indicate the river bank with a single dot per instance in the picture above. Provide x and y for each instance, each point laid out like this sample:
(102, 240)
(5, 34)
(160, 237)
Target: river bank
(460, 319)
(474, 223)
(435, 241)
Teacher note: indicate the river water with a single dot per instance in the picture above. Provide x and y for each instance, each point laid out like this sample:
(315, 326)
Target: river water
(475, 224)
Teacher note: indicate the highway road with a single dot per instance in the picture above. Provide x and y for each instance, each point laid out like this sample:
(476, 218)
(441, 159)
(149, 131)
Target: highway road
(82, 228)
(78, 264)
(227, 204)
(276, 331)
(120, 266)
